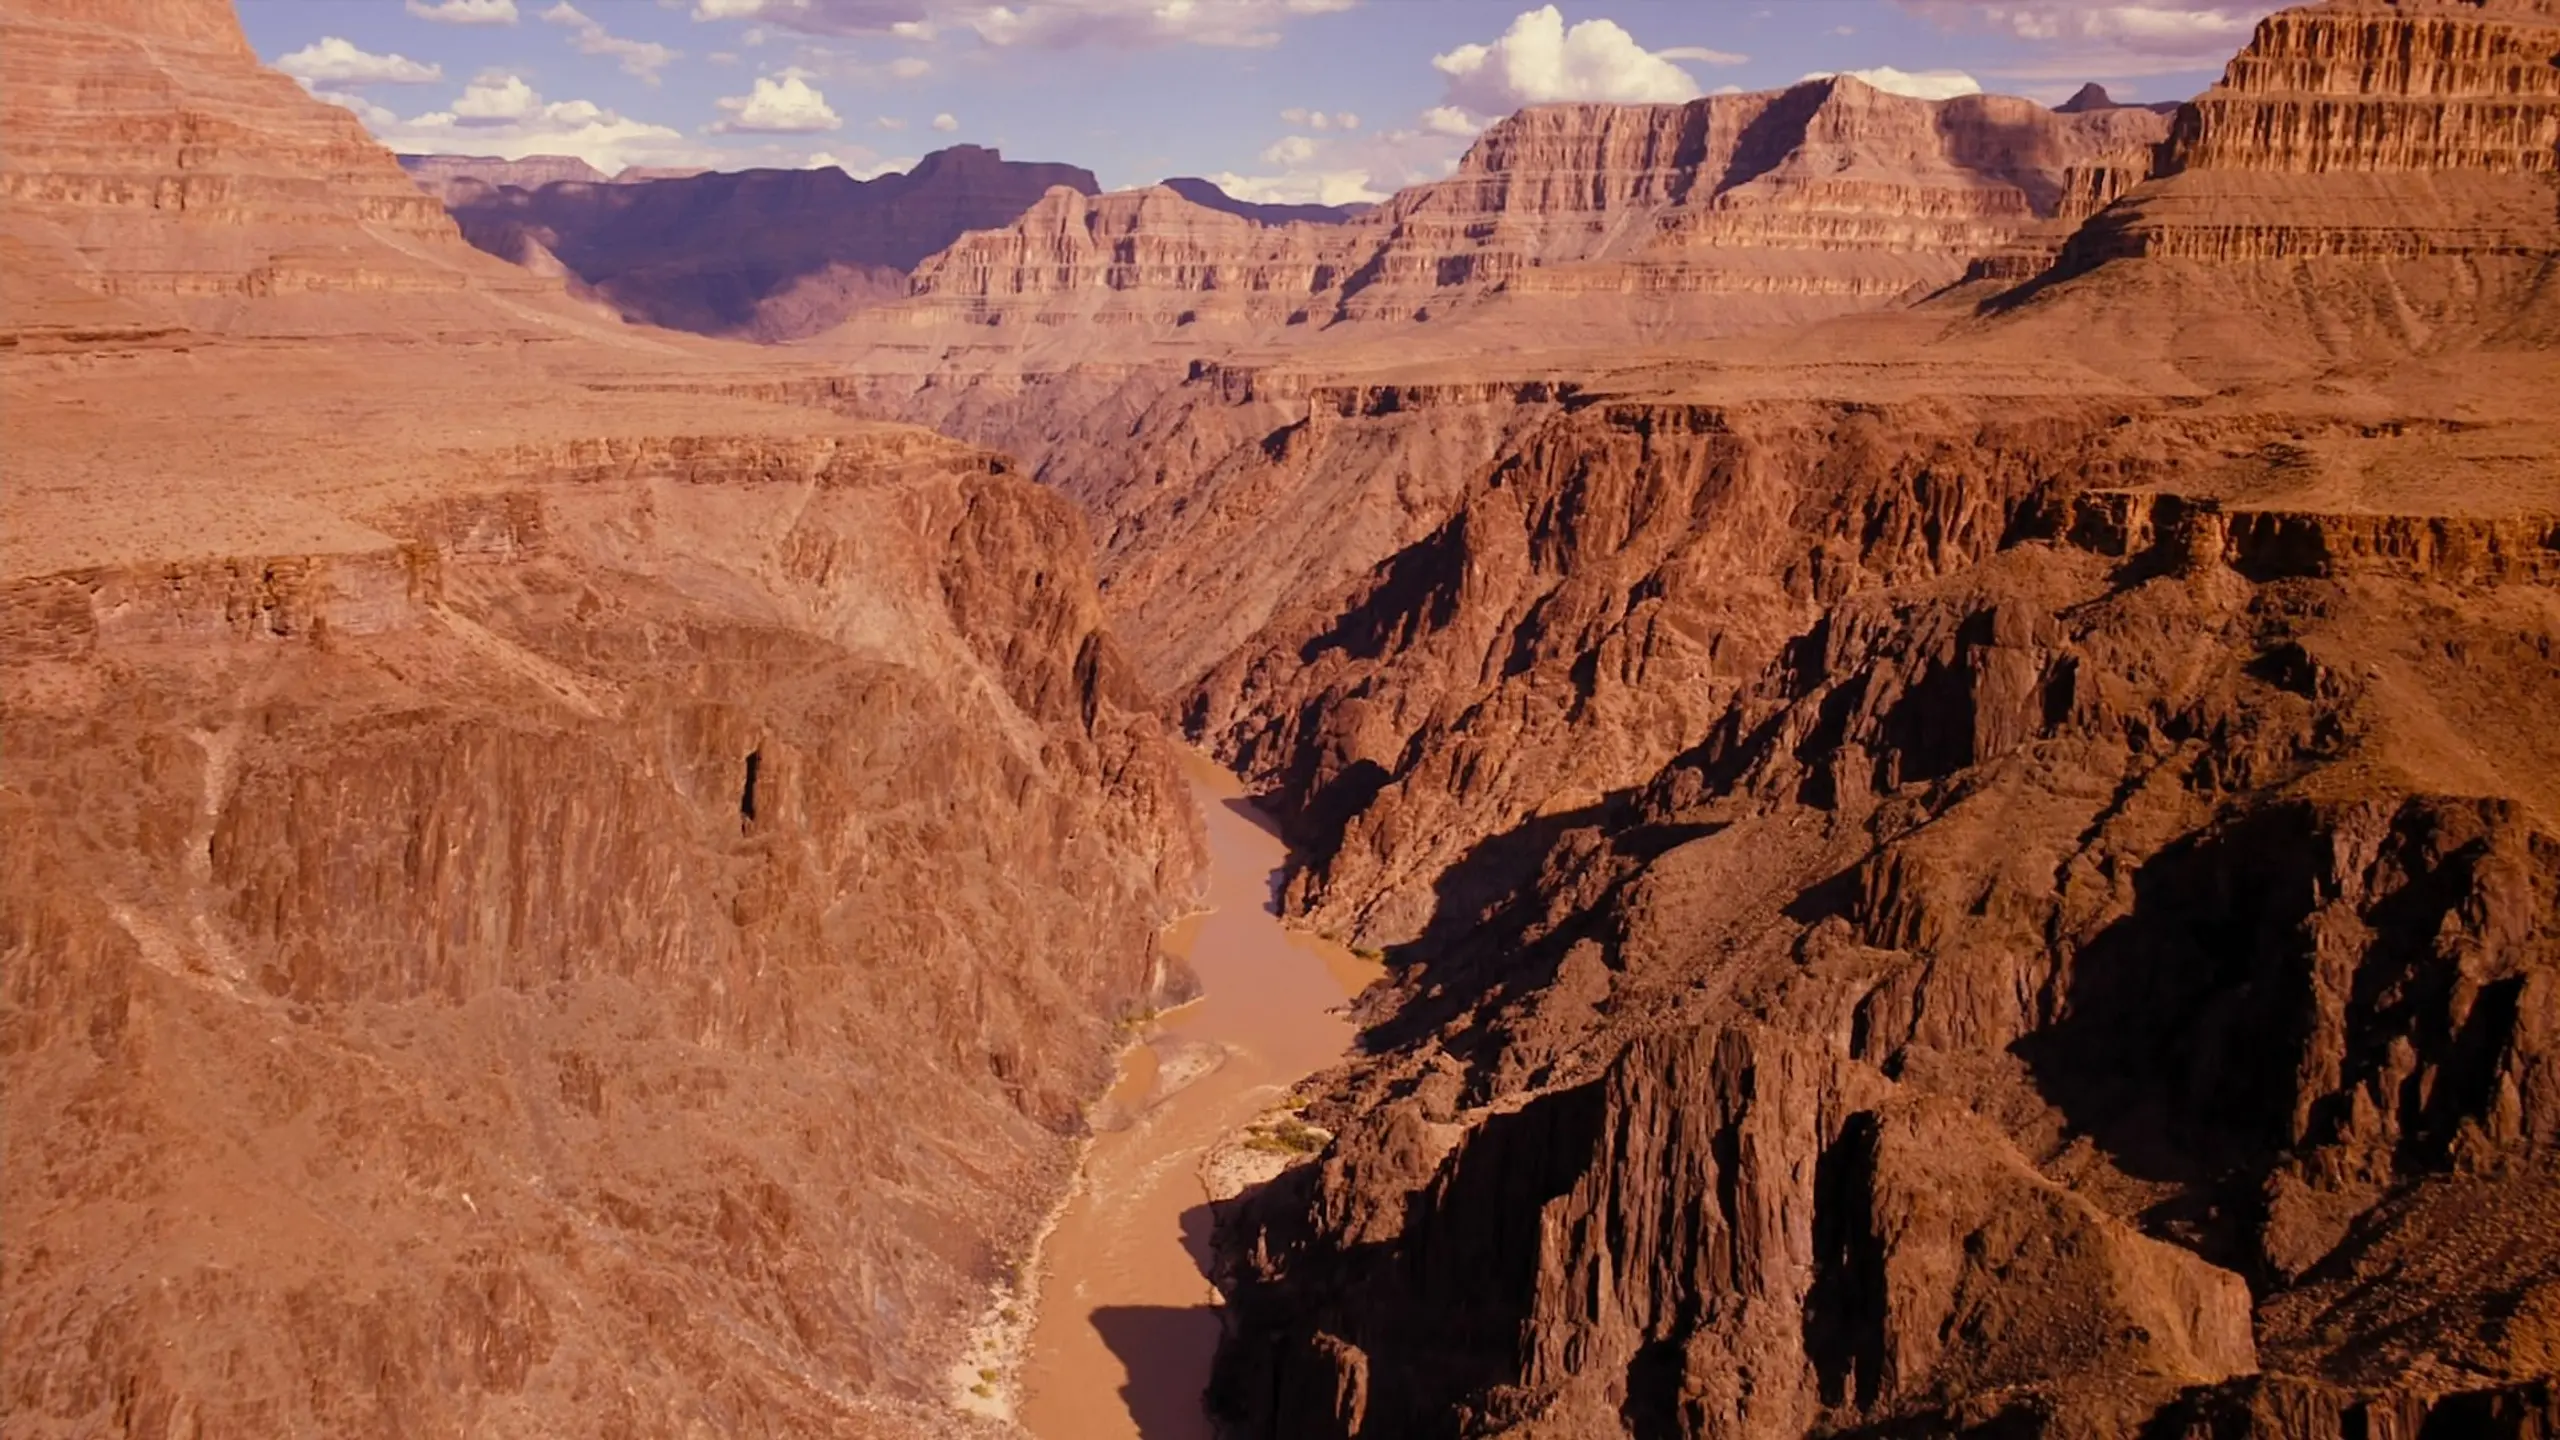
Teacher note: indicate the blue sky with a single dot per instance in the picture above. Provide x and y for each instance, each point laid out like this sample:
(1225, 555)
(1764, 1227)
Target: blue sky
(1279, 99)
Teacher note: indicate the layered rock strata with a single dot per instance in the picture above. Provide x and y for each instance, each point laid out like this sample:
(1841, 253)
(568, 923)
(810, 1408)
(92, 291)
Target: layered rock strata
(2361, 131)
(155, 173)
(1827, 196)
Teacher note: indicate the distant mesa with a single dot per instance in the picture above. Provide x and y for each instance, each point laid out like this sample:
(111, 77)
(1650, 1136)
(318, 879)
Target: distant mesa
(768, 255)
(2093, 97)
(1207, 193)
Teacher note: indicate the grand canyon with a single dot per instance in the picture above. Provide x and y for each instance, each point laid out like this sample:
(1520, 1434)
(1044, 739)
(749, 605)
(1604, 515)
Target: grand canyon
(1803, 762)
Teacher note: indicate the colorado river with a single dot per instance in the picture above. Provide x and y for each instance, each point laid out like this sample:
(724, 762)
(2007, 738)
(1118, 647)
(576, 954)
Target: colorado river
(1127, 1325)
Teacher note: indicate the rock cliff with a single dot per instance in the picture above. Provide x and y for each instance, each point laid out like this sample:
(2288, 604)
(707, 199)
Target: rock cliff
(155, 173)
(2360, 131)
(763, 254)
(528, 907)
(1778, 205)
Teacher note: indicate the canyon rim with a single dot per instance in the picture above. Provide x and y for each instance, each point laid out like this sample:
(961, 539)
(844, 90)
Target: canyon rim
(1927, 725)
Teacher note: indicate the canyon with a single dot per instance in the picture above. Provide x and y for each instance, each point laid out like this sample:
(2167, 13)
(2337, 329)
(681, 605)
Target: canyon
(1922, 725)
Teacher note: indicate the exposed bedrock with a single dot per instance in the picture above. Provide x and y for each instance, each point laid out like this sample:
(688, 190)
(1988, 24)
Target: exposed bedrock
(2085, 988)
(2360, 130)
(1782, 204)
(630, 956)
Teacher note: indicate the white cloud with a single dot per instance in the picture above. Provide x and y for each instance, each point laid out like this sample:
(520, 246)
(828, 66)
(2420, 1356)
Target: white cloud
(946, 122)
(1320, 120)
(1343, 169)
(644, 58)
(501, 115)
(910, 67)
(332, 61)
(465, 12)
(1538, 60)
(496, 97)
(2087, 39)
(888, 122)
(1290, 150)
(864, 169)
(1919, 85)
(1046, 24)
(1450, 120)
(787, 105)
(1703, 55)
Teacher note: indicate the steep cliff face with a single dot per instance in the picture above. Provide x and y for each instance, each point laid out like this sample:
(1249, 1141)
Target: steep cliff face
(2361, 131)
(2034, 964)
(1143, 257)
(512, 979)
(1831, 189)
(526, 908)
(763, 254)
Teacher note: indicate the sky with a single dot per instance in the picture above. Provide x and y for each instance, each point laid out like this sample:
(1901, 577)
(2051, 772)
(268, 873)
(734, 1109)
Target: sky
(1331, 101)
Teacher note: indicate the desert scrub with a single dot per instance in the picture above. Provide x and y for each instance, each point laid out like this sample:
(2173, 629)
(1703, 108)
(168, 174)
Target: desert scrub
(1287, 1135)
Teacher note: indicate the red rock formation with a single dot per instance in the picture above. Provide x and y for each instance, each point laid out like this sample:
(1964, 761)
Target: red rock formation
(524, 906)
(154, 170)
(2361, 130)
(1826, 196)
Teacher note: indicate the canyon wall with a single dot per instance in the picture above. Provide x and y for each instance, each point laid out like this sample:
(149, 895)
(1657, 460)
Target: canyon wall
(639, 942)
(529, 907)
(2036, 962)
(2360, 131)
(2010, 888)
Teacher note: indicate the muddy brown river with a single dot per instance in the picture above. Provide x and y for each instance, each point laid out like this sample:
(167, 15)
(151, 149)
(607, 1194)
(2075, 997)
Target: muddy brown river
(1127, 1321)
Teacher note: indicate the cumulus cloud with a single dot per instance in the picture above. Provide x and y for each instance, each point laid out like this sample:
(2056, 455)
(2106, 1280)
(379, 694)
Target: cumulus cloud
(1337, 168)
(332, 61)
(778, 105)
(1450, 120)
(946, 122)
(1047, 24)
(1290, 150)
(496, 97)
(644, 58)
(1539, 60)
(1320, 120)
(500, 114)
(465, 12)
(888, 122)
(2086, 38)
(910, 67)
(1918, 84)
